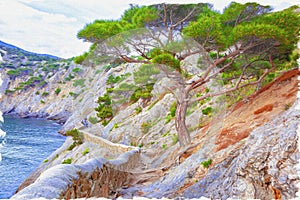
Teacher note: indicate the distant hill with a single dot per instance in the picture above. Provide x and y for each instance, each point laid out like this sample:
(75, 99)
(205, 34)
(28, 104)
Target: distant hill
(14, 57)
(31, 69)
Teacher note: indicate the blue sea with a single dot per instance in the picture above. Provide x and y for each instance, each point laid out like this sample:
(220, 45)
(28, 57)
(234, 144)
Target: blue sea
(28, 142)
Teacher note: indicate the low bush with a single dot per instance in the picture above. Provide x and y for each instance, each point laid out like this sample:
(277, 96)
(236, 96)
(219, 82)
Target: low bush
(67, 161)
(57, 91)
(77, 138)
(45, 94)
(206, 163)
(86, 151)
(93, 120)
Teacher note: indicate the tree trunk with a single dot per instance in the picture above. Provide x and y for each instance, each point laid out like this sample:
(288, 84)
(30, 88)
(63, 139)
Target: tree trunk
(183, 134)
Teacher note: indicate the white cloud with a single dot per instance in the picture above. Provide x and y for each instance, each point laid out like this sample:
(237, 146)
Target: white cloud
(45, 26)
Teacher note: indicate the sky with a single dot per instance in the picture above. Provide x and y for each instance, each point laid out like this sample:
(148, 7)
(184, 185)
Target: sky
(51, 26)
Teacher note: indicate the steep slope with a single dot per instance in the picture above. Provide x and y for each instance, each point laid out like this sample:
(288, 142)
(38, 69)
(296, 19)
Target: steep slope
(257, 163)
(223, 142)
(163, 169)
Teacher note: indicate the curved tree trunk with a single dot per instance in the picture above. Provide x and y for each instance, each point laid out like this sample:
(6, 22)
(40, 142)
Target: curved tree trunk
(182, 131)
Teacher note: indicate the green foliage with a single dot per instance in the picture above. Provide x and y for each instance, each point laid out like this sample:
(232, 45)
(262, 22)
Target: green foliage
(164, 146)
(166, 134)
(45, 94)
(42, 101)
(208, 28)
(109, 90)
(243, 23)
(76, 70)
(73, 94)
(57, 91)
(79, 82)
(42, 83)
(138, 109)
(206, 163)
(167, 59)
(143, 92)
(67, 161)
(137, 17)
(100, 30)
(172, 112)
(133, 18)
(104, 109)
(81, 58)
(85, 151)
(140, 145)
(145, 74)
(71, 147)
(13, 72)
(145, 127)
(76, 135)
(207, 111)
(116, 79)
(9, 91)
(125, 87)
(45, 161)
(93, 120)
(69, 77)
(174, 139)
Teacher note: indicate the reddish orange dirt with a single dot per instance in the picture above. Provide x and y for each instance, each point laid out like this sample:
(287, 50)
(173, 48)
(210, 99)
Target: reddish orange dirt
(259, 108)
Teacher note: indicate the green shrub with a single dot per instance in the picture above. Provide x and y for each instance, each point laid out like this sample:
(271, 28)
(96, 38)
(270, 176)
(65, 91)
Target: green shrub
(67, 161)
(19, 88)
(167, 59)
(69, 77)
(71, 147)
(206, 163)
(76, 70)
(73, 94)
(112, 79)
(138, 109)
(109, 90)
(98, 71)
(145, 73)
(93, 120)
(9, 91)
(166, 134)
(140, 145)
(175, 139)
(42, 83)
(104, 109)
(81, 58)
(13, 72)
(77, 136)
(45, 94)
(207, 111)
(143, 92)
(57, 91)
(171, 113)
(164, 146)
(42, 101)
(86, 151)
(146, 126)
(79, 82)
(45, 161)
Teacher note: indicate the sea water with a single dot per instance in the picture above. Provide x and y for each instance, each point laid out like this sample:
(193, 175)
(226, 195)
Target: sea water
(26, 144)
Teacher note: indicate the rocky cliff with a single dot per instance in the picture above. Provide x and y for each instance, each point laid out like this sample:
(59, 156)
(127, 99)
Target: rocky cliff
(249, 151)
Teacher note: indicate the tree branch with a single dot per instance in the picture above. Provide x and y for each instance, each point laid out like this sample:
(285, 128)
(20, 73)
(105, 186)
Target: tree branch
(236, 87)
(185, 18)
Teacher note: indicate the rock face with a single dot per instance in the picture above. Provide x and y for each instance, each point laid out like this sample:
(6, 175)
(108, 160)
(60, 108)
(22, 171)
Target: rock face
(253, 150)
(95, 178)
(264, 168)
